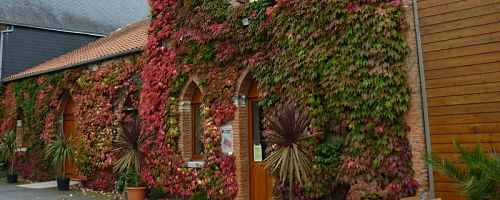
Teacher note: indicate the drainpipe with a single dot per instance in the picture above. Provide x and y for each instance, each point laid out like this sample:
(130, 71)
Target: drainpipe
(424, 96)
(7, 30)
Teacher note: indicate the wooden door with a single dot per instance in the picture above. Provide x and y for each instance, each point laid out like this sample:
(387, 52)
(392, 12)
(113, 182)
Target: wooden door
(261, 183)
(70, 131)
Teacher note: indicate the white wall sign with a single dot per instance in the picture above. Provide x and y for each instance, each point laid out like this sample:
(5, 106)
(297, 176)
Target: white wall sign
(257, 152)
(227, 141)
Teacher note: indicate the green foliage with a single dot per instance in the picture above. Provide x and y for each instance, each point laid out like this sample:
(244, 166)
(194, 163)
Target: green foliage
(372, 197)
(60, 149)
(8, 147)
(156, 193)
(219, 9)
(127, 179)
(328, 154)
(199, 54)
(344, 62)
(256, 10)
(480, 179)
(33, 96)
(326, 167)
(199, 196)
(3, 165)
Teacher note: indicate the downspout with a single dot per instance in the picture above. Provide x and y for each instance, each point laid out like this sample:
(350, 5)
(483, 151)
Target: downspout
(424, 96)
(1, 48)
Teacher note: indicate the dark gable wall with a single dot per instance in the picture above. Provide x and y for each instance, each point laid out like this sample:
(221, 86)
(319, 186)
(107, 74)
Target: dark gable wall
(26, 47)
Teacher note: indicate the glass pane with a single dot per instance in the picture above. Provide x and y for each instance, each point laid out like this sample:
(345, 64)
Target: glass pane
(257, 128)
(198, 132)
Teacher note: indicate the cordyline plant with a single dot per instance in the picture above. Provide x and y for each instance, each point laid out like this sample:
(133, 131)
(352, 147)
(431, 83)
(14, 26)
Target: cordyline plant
(8, 148)
(480, 180)
(129, 143)
(290, 162)
(60, 148)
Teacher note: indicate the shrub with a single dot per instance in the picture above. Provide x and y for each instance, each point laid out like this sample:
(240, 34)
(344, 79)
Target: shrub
(290, 162)
(199, 196)
(480, 180)
(32, 165)
(156, 193)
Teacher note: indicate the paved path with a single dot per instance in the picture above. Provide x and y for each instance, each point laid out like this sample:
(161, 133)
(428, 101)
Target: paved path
(43, 185)
(14, 192)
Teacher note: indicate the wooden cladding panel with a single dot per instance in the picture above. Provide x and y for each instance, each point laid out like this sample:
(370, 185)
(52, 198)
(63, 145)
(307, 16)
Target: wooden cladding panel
(453, 25)
(462, 71)
(449, 195)
(433, 3)
(467, 138)
(493, 76)
(465, 118)
(459, 15)
(464, 89)
(464, 109)
(465, 129)
(464, 99)
(461, 42)
(461, 50)
(461, 33)
(453, 7)
(462, 61)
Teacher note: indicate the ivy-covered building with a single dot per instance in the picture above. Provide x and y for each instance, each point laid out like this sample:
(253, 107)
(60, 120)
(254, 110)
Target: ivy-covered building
(208, 76)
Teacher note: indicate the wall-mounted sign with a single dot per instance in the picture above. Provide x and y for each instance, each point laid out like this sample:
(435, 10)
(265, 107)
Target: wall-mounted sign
(257, 152)
(227, 141)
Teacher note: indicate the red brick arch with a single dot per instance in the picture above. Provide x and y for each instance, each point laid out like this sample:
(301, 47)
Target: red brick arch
(185, 125)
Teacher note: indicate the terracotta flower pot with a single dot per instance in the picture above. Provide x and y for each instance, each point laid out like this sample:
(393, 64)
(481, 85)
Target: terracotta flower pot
(136, 193)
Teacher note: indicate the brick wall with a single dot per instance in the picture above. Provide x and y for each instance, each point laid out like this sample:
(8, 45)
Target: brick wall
(414, 117)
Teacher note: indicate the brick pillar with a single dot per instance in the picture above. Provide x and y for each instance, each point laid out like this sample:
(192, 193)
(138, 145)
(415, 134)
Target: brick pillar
(240, 136)
(414, 117)
(185, 142)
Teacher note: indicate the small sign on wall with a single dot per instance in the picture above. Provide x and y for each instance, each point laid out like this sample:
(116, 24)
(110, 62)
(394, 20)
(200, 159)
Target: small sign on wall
(227, 138)
(257, 152)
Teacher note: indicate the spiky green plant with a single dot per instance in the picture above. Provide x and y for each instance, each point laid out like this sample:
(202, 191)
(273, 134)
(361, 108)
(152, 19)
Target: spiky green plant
(59, 149)
(290, 162)
(128, 144)
(480, 180)
(8, 148)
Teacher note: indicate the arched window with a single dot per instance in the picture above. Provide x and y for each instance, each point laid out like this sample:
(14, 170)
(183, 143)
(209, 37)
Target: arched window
(197, 126)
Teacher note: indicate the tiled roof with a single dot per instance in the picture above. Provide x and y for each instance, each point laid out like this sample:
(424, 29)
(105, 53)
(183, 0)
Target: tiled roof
(132, 37)
(88, 16)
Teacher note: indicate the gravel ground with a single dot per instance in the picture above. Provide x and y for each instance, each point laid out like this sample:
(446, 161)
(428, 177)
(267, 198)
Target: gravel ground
(13, 192)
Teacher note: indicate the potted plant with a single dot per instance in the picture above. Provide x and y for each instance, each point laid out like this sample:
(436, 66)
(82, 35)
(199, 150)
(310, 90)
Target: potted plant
(60, 148)
(290, 161)
(128, 146)
(8, 148)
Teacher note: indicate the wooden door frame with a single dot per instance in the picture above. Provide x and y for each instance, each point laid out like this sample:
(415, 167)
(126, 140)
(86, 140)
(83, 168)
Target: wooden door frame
(251, 161)
(250, 129)
(62, 110)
